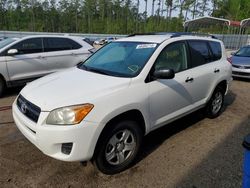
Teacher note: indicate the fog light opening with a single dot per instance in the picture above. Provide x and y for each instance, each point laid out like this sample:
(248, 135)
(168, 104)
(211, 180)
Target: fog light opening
(66, 148)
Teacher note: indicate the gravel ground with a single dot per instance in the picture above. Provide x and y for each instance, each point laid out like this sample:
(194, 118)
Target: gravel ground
(193, 152)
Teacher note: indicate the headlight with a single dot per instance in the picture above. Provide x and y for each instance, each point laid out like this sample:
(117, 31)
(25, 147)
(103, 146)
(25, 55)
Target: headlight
(69, 115)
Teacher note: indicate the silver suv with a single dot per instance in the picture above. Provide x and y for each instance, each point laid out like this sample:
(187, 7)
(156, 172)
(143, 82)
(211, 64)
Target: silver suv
(25, 59)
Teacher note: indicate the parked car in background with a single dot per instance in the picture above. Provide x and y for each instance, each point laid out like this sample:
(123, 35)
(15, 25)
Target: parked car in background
(32, 57)
(7, 41)
(2, 38)
(241, 62)
(104, 41)
(101, 109)
(89, 41)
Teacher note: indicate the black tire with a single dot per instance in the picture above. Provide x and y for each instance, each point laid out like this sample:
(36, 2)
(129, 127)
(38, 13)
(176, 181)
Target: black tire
(2, 87)
(214, 106)
(113, 144)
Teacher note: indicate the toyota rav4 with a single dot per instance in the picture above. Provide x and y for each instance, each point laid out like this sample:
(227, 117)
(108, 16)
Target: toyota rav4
(101, 109)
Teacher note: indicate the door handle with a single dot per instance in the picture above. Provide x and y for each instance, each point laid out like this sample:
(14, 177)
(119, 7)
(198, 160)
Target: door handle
(216, 70)
(41, 57)
(189, 79)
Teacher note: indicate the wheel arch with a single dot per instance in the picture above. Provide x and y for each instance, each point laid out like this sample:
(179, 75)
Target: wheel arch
(222, 84)
(133, 114)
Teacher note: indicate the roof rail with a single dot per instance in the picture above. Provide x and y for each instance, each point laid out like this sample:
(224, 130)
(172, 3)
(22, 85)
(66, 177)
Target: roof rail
(178, 34)
(175, 34)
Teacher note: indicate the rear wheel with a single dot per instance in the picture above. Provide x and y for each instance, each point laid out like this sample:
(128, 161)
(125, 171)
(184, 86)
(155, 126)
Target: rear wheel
(215, 104)
(2, 87)
(118, 147)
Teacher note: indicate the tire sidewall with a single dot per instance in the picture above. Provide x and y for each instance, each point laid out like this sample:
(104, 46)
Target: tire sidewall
(209, 106)
(100, 159)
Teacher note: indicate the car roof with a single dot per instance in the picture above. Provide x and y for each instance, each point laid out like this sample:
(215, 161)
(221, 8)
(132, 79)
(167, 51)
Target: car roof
(161, 37)
(146, 38)
(52, 36)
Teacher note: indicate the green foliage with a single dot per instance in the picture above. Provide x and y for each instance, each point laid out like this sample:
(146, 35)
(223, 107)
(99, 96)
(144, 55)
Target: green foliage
(112, 16)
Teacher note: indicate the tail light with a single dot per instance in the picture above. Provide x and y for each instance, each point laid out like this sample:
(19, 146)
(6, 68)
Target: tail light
(229, 59)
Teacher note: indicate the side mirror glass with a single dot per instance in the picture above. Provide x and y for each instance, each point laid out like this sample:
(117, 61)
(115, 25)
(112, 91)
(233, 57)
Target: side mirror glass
(164, 73)
(12, 51)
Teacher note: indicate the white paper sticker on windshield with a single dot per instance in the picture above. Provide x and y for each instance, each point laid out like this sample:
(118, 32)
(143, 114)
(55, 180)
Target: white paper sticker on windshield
(142, 46)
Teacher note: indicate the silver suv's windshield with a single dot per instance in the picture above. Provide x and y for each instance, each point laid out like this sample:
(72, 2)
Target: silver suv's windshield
(121, 59)
(6, 42)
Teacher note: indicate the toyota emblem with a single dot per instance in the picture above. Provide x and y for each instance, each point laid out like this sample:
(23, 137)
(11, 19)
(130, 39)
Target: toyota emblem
(24, 108)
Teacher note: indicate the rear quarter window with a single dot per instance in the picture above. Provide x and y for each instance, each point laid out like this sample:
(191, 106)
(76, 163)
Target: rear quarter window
(216, 50)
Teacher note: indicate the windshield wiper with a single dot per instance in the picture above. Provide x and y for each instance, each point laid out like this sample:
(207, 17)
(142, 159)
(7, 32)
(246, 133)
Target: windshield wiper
(96, 70)
(82, 66)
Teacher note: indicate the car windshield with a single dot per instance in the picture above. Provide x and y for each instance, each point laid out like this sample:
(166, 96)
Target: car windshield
(6, 42)
(121, 59)
(243, 52)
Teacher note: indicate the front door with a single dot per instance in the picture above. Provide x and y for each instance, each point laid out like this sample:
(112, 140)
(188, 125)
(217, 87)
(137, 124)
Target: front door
(169, 98)
(28, 62)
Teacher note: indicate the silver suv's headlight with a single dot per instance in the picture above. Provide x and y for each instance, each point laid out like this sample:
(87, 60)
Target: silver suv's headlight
(69, 115)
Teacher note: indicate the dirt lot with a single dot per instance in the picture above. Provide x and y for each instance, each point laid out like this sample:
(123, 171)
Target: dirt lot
(193, 152)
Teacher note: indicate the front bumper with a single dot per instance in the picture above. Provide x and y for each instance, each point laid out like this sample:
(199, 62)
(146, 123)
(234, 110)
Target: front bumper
(238, 72)
(49, 138)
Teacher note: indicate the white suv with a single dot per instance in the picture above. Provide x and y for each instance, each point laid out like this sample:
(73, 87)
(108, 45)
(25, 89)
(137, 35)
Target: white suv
(101, 109)
(23, 60)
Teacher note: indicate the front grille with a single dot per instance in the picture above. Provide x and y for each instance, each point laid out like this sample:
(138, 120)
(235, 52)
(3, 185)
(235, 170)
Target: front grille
(241, 66)
(28, 109)
(241, 73)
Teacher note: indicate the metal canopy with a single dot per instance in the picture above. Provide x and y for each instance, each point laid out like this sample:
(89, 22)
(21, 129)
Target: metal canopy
(245, 23)
(206, 21)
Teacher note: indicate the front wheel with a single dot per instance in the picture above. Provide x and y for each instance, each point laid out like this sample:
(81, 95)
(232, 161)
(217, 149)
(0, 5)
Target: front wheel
(118, 147)
(215, 104)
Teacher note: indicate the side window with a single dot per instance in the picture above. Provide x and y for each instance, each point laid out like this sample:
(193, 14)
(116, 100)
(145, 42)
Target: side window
(60, 44)
(199, 52)
(29, 46)
(216, 49)
(174, 56)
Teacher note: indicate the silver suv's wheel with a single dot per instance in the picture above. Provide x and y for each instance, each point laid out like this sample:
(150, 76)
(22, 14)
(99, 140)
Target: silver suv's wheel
(215, 104)
(118, 147)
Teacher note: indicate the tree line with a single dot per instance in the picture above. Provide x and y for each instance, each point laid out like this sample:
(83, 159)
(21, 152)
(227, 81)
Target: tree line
(113, 16)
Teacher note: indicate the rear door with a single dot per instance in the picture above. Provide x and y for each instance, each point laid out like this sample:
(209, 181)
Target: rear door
(28, 62)
(61, 53)
(205, 70)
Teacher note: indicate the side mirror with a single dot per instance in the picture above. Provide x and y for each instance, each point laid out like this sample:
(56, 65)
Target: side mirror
(233, 53)
(164, 73)
(12, 51)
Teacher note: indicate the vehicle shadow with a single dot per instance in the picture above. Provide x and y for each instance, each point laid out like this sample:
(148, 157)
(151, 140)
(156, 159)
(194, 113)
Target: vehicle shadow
(12, 91)
(154, 139)
(222, 167)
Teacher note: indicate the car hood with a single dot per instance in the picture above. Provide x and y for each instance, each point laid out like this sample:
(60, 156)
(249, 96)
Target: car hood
(71, 87)
(236, 60)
